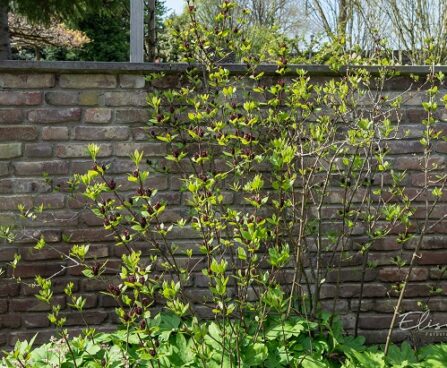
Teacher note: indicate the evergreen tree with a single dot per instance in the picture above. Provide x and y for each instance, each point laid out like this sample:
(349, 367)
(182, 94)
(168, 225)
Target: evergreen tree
(43, 11)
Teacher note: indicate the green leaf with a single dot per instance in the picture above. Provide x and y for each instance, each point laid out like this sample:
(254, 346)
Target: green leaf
(254, 354)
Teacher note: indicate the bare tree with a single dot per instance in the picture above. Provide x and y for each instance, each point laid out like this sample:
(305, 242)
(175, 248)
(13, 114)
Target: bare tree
(357, 22)
(418, 25)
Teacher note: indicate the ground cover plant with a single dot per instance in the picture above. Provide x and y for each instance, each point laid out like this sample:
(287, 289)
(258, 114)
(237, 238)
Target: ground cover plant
(309, 164)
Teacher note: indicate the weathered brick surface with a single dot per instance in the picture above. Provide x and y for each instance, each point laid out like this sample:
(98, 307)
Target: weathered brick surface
(55, 133)
(65, 115)
(27, 80)
(11, 116)
(38, 150)
(10, 150)
(91, 81)
(72, 150)
(132, 81)
(18, 133)
(10, 98)
(36, 168)
(132, 98)
(46, 122)
(62, 98)
(98, 115)
(115, 133)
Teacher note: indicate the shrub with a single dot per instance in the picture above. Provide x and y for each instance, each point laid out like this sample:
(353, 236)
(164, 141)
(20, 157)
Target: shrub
(308, 163)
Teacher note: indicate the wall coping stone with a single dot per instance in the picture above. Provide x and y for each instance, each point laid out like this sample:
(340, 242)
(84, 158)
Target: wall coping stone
(85, 67)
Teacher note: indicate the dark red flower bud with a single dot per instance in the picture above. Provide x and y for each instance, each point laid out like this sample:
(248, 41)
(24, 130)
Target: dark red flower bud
(132, 279)
(112, 184)
(113, 289)
(143, 324)
(126, 234)
(95, 269)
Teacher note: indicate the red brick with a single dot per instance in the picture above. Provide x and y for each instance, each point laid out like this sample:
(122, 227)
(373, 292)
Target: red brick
(11, 202)
(351, 274)
(7, 253)
(88, 235)
(108, 302)
(10, 321)
(32, 270)
(149, 149)
(91, 301)
(29, 235)
(18, 185)
(41, 338)
(82, 81)
(413, 290)
(369, 290)
(4, 168)
(58, 286)
(91, 317)
(374, 322)
(132, 81)
(35, 320)
(65, 115)
(140, 134)
(90, 98)
(38, 150)
(55, 133)
(432, 258)
(33, 305)
(3, 306)
(37, 80)
(101, 133)
(98, 115)
(125, 98)
(73, 150)
(441, 147)
(394, 274)
(95, 285)
(166, 82)
(60, 98)
(132, 116)
(403, 146)
(46, 254)
(11, 116)
(8, 288)
(20, 98)
(51, 201)
(16, 133)
(37, 168)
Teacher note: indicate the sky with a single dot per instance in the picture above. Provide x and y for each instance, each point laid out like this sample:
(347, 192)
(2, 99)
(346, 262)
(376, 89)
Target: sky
(176, 5)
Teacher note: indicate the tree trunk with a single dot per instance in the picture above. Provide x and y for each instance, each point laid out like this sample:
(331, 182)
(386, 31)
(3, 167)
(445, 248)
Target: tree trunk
(5, 46)
(152, 31)
(342, 19)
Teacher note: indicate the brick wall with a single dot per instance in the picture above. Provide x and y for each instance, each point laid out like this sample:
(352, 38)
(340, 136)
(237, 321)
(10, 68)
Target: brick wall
(49, 112)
